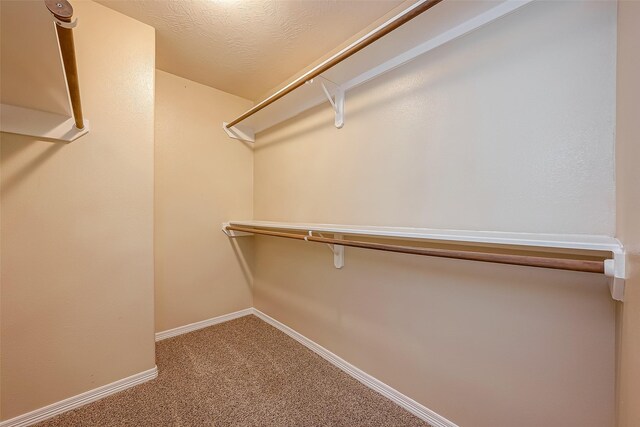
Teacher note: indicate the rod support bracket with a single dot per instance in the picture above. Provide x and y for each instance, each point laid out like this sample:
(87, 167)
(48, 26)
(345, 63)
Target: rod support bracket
(338, 252)
(336, 100)
(616, 271)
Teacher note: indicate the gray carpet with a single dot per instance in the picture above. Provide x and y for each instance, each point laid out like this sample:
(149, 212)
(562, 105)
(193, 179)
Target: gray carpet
(241, 373)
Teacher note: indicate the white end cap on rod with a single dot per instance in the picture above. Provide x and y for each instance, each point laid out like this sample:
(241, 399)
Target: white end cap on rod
(616, 270)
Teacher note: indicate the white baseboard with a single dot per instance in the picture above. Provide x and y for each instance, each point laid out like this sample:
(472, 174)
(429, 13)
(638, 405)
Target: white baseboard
(202, 324)
(390, 393)
(79, 400)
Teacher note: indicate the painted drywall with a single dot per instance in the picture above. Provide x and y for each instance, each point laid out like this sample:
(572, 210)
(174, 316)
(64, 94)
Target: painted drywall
(510, 128)
(202, 178)
(472, 129)
(77, 227)
(628, 206)
(19, 38)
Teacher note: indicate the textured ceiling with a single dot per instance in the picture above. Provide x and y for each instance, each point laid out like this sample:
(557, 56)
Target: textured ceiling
(247, 47)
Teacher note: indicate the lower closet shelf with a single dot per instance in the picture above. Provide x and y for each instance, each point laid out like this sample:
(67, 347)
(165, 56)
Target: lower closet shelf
(588, 253)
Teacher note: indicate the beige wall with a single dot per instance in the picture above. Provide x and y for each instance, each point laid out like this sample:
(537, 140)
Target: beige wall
(510, 128)
(628, 206)
(480, 123)
(77, 228)
(481, 344)
(47, 90)
(202, 179)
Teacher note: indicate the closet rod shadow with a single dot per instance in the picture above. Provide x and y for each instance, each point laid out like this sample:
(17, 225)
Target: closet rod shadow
(63, 12)
(337, 58)
(588, 266)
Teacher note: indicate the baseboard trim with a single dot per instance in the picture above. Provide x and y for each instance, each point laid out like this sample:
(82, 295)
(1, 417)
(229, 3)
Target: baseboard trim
(390, 393)
(74, 402)
(202, 324)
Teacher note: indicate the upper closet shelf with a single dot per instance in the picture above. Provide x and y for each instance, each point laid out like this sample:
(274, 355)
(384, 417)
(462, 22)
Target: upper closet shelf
(40, 90)
(399, 40)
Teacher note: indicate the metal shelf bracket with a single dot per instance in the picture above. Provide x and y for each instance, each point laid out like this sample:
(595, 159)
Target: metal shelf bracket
(336, 100)
(336, 250)
(338, 253)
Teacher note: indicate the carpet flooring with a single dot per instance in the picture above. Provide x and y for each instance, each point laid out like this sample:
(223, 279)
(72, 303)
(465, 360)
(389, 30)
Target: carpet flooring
(241, 373)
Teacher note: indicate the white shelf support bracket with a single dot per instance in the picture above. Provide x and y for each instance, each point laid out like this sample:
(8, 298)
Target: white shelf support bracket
(616, 271)
(338, 253)
(336, 250)
(243, 133)
(232, 234)
(336, 101)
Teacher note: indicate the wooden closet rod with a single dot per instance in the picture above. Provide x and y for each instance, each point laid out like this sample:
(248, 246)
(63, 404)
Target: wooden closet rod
(267, 232)
(63, 12)
(526, 260)
(338, 57)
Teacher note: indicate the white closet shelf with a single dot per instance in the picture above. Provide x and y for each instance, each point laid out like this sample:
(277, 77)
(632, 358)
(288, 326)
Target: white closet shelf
(593, 245)
(584, 242)
(22, 113)
(442, 23)
(40, 124)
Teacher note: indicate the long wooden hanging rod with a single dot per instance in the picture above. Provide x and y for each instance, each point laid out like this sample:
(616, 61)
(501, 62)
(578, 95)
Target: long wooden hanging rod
(588, 266)
(353, 48)
(63, 12)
